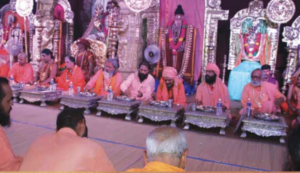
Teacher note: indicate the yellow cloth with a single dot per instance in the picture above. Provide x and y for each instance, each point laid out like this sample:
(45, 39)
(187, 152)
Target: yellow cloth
(157, 167)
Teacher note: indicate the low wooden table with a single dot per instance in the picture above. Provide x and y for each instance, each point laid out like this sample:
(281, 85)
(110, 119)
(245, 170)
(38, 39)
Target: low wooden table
(264, 128)
(206, 120)
(116, 107)
(156, 113)
(33, 95)
(77, 101)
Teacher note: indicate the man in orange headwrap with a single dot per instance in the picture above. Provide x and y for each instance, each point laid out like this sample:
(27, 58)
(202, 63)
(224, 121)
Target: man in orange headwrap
(212, 89)
(22, 71)
(73, 74)
(104, 79)
(84, 58)
(4, 69)
(264, 96)
(171, 87)
(166, 151)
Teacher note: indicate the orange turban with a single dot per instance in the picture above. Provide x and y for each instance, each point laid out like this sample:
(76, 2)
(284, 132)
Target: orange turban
(213, 67)
(169, 72)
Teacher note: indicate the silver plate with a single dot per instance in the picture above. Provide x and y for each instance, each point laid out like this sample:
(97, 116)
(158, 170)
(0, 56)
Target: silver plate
(125, 98)
(87, 94)
(267, 117)
(159, 103)
(206, 108)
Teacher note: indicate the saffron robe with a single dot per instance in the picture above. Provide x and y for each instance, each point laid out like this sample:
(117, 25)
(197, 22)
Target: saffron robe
(210, 95)
(77, 79)
(177, 93)
(8, 161)
(64, 151)
(156, 166)
(21, 73)
(100, 85)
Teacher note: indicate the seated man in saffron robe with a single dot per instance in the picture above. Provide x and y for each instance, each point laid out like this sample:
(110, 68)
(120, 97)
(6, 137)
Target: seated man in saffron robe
(267, 76)
(166, 151)
(84, 58)
(73, 74)
(8, 161)
(171, 87)
(264, 96)
(66, 149)
(47, 68)
(4, 69)
(22, 71)
(104, 79)
(212, 89)
(139, 85)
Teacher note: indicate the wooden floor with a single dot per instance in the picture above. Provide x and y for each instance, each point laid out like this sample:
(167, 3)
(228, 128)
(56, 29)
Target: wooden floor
(124, 142)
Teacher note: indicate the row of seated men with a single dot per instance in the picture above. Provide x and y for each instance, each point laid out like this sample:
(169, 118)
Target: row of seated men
(70, 149)
(262, 91)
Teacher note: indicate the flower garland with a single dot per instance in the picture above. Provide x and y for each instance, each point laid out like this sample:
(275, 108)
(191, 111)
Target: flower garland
(5, 35)
(256, 47)
(181, 37)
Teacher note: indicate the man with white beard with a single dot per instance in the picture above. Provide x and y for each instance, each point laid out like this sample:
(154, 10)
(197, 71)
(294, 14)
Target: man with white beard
(264, 96)
(108, 78)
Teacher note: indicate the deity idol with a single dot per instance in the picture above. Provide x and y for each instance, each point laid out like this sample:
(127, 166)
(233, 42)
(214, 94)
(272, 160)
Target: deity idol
(176, 31)
(253, 53)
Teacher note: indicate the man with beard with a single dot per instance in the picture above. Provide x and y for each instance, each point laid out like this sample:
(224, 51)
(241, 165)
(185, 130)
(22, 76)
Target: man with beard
(264, 96)
(293, 99)
(8, 161)
(141, 84)
(266, 76)
(104, 79)
(67, 149)
(73, 74)
(212, 89)
(171, 87)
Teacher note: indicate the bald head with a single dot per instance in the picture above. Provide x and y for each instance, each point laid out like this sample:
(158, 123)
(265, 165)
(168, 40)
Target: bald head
(22, 57)
(167, 144)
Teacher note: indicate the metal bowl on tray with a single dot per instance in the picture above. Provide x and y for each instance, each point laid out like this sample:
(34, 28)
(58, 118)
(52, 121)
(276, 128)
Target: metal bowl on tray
(206, 108)
(87, 94)
(159, 103)
(125, 98)
(41, 88)
(267, 117)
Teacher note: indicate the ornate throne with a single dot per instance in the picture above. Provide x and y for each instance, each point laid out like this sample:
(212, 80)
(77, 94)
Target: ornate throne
(12, 32)
(52, 28)
(291, 35)
(253, 42)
